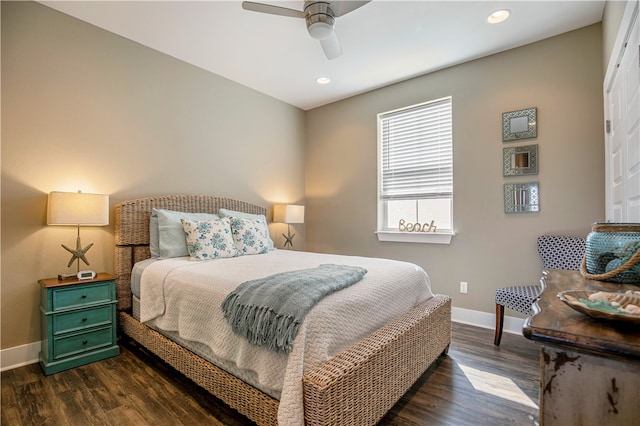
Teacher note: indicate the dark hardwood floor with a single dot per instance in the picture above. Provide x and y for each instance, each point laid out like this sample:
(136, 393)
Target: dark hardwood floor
(475, 384)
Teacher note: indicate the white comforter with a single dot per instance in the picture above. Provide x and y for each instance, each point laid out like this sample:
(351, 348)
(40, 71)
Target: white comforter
(184, 296)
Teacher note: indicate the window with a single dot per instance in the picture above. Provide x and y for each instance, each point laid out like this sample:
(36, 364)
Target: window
(415, 173)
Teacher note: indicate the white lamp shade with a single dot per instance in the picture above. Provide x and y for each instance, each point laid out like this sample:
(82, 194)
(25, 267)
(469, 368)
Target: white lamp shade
(77, 208)
(288, 213)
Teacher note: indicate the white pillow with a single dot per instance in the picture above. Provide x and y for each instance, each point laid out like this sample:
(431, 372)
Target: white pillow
(241, 215)
(171, 239)
(209, 239)
(154, 234)
(250, 236)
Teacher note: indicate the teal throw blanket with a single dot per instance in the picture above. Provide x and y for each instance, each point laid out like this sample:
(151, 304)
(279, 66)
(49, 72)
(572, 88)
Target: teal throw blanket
(268, 311)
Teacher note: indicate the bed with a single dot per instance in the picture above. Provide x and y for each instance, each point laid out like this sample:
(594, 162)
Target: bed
(357, 386)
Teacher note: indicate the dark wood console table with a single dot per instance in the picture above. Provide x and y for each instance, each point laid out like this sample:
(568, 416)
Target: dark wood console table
(589, 369)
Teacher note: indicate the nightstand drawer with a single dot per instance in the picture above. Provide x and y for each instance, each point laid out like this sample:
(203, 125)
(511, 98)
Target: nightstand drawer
(82, 342)
(78, 320)
(67, 297)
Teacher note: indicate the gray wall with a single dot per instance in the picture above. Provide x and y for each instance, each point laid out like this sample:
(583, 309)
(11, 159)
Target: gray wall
(561, 76)
(85, 109)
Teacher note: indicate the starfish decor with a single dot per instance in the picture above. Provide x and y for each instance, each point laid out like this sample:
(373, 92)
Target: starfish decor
(288, 238)
(78, 253)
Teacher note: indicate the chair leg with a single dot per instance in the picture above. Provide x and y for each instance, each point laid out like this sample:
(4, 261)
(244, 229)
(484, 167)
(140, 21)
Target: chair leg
(499, 323)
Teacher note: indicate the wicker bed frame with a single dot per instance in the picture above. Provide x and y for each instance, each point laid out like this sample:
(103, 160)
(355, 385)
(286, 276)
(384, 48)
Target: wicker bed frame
(356, 387)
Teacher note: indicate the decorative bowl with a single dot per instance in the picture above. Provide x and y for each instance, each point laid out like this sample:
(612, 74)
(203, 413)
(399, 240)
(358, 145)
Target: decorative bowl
(604, 305)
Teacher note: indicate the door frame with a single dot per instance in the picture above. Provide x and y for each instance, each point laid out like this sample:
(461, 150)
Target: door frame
(629, 17)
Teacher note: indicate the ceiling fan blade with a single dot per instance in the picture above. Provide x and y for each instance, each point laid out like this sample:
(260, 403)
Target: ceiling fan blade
(271, 9)
(331, 46)
(340, 7)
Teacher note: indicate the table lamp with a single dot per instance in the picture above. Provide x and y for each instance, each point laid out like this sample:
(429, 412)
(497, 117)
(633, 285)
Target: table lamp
(77, 209)
(288, 213)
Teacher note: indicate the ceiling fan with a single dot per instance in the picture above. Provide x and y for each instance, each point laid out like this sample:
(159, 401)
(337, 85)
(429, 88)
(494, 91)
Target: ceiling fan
(319, 16)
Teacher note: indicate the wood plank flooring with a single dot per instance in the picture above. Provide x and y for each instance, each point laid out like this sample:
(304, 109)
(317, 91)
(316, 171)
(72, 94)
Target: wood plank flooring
(467, 387)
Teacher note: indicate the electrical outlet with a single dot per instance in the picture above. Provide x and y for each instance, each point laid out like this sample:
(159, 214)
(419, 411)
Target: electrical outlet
(463, 287)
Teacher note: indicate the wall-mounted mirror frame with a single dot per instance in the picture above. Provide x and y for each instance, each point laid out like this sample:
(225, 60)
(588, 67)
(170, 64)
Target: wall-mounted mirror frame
(521, 124)
(520, 160)
(521, 197)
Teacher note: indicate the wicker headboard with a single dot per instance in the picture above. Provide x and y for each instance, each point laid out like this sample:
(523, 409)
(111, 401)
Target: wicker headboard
(132, 230)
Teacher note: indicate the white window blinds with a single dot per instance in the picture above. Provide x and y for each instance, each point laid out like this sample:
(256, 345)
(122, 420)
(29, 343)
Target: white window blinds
(417, 152)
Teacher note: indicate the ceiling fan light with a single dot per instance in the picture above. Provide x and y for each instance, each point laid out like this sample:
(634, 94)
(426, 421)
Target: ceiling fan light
(320, 30)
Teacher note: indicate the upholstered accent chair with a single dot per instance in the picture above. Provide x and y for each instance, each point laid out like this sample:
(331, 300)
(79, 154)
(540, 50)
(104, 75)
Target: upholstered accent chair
(556, 252)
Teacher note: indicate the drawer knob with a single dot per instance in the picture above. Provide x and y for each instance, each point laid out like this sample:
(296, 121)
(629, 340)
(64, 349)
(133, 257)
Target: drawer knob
(84, 342)
(84, 296)
(84, 319)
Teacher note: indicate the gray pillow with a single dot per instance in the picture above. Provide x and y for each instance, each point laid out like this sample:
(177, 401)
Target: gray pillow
(172, 241)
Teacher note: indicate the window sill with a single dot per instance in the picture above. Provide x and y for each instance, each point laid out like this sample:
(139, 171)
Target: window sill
(415, 237)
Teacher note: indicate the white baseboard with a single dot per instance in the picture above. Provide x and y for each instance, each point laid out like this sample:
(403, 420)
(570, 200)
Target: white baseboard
(19, 356)
(486, 320)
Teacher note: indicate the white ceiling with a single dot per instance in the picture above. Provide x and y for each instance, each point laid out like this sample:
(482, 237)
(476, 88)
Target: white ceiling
(384, 42)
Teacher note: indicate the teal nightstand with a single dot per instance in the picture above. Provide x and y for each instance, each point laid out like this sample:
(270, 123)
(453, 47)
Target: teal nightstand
(78, 320)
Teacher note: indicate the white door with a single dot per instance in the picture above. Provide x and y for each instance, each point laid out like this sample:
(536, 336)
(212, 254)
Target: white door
(622, 111)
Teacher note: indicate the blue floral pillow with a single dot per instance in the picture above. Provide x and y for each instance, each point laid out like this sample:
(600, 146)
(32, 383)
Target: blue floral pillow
(209, 239)
(232, 214)
(250, 236)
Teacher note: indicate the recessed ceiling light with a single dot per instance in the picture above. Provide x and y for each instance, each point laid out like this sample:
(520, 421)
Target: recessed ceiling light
(498, 16)
(323, 80)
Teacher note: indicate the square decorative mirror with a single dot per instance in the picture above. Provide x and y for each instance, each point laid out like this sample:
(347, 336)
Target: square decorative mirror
(520, 160)
(521, 124)
(521, 197)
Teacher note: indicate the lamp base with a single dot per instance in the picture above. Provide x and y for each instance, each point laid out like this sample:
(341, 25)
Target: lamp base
(288, 238)
(79, 253)
(62, 277)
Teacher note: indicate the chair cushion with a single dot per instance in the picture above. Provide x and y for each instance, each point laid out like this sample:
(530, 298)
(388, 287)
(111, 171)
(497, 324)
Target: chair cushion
(518, 298)
(559, 252)
(556, 252)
